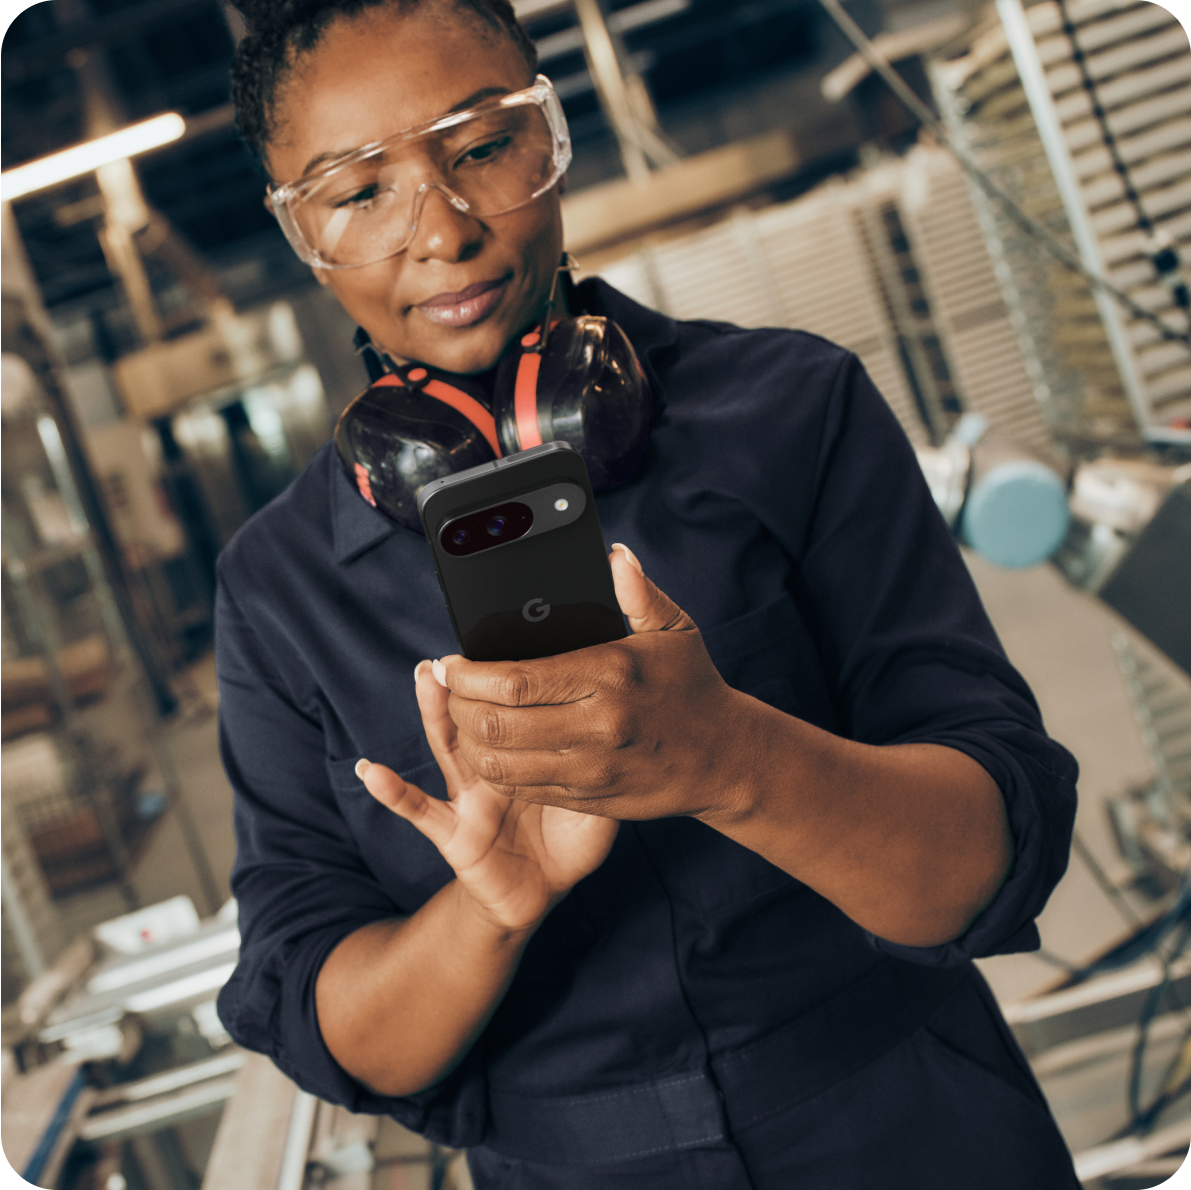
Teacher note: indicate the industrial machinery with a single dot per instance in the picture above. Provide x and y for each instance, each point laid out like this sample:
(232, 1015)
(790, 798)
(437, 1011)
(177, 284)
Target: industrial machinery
(126, 1067)
(1081, 108)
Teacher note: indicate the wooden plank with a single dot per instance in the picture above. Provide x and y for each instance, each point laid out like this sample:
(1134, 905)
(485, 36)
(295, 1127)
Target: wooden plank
(616, 210)
(250, 1143)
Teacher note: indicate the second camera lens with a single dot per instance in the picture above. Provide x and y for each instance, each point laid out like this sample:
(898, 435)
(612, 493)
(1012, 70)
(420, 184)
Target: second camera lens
(497, 525)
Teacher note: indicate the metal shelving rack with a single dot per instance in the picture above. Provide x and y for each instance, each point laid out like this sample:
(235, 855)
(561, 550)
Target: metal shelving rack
(1017, 101)
(74, 653)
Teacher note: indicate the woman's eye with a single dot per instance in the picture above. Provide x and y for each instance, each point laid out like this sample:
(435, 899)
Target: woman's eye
(358, 198)
(487, 150)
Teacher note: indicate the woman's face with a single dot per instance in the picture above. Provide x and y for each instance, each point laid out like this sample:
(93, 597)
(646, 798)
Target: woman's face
(464, 286)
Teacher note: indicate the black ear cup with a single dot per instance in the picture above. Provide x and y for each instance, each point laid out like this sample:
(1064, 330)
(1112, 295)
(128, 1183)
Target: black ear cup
(585, 387)
(394, 438)
(415, 424)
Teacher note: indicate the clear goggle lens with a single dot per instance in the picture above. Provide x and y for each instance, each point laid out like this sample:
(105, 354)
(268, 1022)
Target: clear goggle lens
(367, 208)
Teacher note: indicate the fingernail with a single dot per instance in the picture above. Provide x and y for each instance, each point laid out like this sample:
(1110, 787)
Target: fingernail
(418, 670)
(632, 558)
(440, 672)
(362, 767)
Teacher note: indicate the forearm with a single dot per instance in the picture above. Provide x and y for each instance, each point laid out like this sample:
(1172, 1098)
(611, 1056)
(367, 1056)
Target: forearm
(911, 841)
(400, 1002)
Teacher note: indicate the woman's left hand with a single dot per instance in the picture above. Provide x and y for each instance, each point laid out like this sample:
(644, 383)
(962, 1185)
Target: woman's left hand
(638, 728)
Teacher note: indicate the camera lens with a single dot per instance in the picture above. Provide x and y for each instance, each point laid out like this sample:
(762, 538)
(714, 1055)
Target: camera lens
(461, 536)
(497, 525)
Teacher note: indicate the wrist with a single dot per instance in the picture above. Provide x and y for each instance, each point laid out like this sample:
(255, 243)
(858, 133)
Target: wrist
(490, 926)
(738, 762)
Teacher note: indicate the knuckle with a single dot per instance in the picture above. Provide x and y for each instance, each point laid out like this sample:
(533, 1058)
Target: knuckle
(514, 688)
(605, 776)
(624, 671)
(619, 727)
(490, 726)
(488, 764)
(616, 727)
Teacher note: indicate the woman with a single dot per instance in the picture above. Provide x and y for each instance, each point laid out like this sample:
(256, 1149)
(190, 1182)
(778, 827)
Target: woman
(829, 799)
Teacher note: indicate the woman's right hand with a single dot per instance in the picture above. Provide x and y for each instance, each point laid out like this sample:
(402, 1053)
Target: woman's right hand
(515, 859)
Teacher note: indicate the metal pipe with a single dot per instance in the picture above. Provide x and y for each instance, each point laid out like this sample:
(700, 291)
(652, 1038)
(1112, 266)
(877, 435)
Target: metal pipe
(170, 1080)
(1050, 131)
(610, 86)
(151, 1115)
(297, 1142)
(32, 339)
(22, 928)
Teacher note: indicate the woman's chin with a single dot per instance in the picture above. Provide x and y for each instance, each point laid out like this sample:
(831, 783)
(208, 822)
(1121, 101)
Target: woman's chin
(465, 351)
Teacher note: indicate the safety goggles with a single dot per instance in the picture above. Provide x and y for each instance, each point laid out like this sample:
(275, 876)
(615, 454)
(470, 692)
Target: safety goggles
(488, 160)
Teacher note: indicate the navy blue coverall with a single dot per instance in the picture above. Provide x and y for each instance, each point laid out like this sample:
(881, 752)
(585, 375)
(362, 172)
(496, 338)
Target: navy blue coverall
(689, 1017)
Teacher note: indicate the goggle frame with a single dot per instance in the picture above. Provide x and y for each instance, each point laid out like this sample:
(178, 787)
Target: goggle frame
(541, 93)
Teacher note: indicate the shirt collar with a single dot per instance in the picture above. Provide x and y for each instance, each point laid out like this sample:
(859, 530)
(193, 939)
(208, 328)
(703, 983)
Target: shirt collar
(355, 525)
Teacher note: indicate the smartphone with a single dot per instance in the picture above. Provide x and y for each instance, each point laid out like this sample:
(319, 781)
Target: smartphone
(520, 556)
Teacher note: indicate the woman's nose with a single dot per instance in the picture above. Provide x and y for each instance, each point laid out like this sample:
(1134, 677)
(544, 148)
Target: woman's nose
(441, 230)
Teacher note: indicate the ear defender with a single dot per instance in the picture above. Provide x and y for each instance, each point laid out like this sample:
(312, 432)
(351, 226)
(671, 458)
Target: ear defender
(575, 380)
(410, 427)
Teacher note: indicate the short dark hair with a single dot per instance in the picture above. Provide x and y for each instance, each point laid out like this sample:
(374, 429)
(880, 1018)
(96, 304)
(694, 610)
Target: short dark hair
(279, 30)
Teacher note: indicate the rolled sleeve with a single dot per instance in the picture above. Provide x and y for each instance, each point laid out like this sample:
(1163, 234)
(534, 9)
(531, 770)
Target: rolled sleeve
(1037, 781)
(300, 882)
(915, 659)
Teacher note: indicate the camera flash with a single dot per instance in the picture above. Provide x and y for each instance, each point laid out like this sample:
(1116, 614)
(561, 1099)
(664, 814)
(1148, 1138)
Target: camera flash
(561, 505)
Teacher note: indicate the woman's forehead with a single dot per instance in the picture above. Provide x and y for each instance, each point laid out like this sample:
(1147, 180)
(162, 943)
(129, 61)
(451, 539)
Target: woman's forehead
(383, 71)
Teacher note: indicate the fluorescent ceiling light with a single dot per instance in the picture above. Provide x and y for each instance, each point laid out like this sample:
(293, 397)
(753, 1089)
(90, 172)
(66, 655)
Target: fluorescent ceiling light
(70, 163)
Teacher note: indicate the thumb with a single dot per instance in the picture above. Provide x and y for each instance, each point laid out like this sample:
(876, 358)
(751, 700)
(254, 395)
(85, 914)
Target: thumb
(648, 609)
(435, 819)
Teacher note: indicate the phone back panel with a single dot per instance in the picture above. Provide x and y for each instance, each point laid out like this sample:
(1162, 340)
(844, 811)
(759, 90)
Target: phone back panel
(536, 596)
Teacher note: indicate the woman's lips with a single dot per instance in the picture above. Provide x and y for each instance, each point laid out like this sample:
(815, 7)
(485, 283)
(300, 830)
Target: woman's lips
(466, 307)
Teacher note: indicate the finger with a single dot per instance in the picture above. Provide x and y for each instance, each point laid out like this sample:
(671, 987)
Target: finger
(441, 732)
(435, 819)
(508, 770)
(543, 681)
(648, 609)
(551, 728)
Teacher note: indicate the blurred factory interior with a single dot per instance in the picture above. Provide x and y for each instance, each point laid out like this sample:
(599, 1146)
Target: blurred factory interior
(1006, 247)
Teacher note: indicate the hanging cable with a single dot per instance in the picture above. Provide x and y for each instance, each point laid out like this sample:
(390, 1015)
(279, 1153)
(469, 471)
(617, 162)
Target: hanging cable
(880, 64)
(1175, 1084)
(1110, 890)
(1139, 1117)
(1160, 249)
(1143, 942)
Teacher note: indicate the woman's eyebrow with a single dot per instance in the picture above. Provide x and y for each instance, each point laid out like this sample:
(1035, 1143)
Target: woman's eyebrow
(474, 98)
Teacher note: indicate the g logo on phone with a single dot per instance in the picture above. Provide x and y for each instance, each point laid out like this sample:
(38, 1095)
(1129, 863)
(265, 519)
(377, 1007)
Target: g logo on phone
(535, 609)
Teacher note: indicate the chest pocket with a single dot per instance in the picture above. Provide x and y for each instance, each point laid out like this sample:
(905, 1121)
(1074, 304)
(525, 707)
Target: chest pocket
(770, 654)
(406, 864)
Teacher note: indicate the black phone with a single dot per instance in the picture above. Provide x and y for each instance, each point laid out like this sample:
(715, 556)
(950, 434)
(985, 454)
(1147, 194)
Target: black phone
(520, 556)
